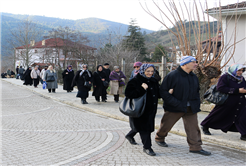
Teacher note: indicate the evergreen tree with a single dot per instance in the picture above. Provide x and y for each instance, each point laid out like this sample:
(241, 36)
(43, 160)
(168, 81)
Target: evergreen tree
(159, 50)
(135, 40)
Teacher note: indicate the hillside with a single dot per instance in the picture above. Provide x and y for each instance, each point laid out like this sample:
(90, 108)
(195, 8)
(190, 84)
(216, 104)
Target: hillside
(163, 37)
(94, 28)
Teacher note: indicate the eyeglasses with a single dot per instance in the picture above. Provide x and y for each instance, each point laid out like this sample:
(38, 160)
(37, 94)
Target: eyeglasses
(136, 67)
(84, 67)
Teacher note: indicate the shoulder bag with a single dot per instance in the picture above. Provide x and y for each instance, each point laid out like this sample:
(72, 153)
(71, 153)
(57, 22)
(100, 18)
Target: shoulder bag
(105, 83)
(87, 84)
(133, 107)
(50, 78)
(214, 96)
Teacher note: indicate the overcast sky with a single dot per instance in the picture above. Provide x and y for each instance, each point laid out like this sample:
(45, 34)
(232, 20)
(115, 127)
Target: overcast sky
(114, 10)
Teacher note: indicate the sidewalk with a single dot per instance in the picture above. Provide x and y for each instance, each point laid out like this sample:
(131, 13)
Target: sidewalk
(111, 109)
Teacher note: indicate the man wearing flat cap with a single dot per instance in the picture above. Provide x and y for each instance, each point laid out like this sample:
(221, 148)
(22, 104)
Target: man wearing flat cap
(180, 92)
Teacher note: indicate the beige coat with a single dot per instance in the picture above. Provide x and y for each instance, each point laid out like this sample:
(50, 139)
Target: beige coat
(35, 73)
(115, 89)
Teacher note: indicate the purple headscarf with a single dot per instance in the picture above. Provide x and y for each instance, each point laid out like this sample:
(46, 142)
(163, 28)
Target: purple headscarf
(68, 69)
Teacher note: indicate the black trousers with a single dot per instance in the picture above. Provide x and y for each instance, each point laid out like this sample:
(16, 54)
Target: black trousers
(98, 97)
(53, 90)
(35, 82)
(145, 137)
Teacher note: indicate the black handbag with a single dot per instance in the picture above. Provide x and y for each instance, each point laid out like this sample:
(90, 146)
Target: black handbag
(105, 83)
(133, 107)
(50, 78)
(87, 84)
(214, 96)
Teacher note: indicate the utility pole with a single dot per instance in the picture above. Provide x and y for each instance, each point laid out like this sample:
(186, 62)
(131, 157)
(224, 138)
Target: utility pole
(164, 67)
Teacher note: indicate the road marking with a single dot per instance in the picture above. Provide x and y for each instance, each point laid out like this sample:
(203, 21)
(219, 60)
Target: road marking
(105, 143)
(45, 109)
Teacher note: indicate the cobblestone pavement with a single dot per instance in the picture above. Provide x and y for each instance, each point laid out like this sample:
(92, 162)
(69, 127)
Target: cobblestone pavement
(41, 131)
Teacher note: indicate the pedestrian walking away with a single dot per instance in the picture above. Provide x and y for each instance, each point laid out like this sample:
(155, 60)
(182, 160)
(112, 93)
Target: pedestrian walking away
(144, 82)
(136, 67)
(117, 83)
(231, 115)
(50, 76)
(99, 89)
(35, 75)
(27, 77)
(21, 72)
(42, 74)
(68, 76)
(83, 81)
(17, 72)
(180, 92)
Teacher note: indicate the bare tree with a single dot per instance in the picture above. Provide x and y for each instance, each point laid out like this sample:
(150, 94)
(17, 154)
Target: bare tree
(208, 53)
(114, 54)
(67, 46)
(24, 37)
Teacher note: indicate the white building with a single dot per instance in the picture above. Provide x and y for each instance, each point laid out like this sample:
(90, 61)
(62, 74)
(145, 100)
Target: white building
(54, 51)
(229, 13)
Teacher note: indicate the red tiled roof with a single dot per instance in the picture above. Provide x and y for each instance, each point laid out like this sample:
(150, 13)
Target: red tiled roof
(213, 39)
(56, 42)
(231, 6)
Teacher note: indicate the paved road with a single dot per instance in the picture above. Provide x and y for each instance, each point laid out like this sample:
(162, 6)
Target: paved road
(40, 131)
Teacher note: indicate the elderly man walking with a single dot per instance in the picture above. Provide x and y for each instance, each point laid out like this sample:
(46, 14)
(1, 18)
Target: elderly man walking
(180, 92)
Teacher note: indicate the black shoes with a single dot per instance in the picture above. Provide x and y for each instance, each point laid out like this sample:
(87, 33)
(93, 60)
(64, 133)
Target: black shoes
(131, 140)
(206, 131)
(243, 137)
(83, 101)
(202, 152)
(163, 144)
(149, 151)
(104, 101)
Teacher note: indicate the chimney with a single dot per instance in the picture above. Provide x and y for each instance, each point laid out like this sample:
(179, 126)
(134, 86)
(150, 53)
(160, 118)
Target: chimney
(43, 42)
(32, 42)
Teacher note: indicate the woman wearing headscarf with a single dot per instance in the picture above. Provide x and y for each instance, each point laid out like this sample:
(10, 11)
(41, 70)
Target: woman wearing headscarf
(117, 84)
(98, 87)
(82, 76)
(67, 76)
(144, 82)
(27, 77)
(35, 75)
(230, 116)
(136, 67)
(50, 77)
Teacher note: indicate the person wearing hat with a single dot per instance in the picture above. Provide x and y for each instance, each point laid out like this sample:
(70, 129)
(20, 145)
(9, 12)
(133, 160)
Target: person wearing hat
(180, 92)
(136, 66)
(230, 116)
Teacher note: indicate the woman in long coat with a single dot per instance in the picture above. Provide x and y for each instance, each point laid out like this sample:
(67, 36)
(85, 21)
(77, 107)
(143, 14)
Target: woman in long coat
(79, 80)
(27, 77)
(144, 82)
(98, 88)
(117, 84)
(52, 85)
(68, 76)
(230, 116)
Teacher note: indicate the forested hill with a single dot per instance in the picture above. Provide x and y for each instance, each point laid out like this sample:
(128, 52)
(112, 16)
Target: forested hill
(92, 27)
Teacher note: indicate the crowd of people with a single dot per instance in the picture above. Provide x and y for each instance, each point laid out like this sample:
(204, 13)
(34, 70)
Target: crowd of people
(179, 91)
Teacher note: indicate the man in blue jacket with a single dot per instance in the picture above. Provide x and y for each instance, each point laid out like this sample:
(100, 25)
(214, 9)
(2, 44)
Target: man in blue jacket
(180, 92)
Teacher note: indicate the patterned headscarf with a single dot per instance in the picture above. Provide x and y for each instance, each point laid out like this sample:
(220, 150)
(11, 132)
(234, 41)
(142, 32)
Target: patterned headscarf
(232, 70)
(145, 67)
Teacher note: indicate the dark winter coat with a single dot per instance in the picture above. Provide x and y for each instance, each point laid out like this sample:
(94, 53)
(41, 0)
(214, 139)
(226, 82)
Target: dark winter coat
(230, 116)
(107, 72)
(100, 89)
(67, 79)
(134, 89)
(79, 81)
(185, 88)
(27, 77)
